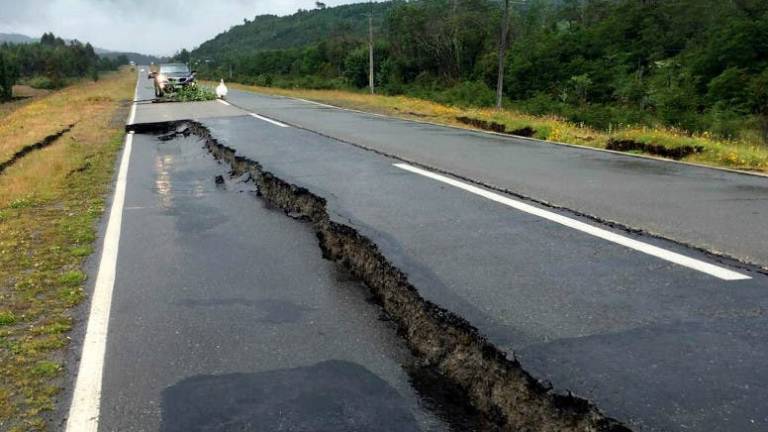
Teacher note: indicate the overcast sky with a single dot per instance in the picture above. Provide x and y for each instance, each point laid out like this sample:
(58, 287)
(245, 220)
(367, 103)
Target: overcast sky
(145, 26)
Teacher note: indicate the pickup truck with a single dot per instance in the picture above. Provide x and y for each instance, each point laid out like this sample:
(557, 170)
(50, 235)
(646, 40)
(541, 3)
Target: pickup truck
(169, 77)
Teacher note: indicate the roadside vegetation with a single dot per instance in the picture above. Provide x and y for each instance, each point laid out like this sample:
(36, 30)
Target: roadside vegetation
(50, 202)
(50, 64)
(664, 74)
(192, 93)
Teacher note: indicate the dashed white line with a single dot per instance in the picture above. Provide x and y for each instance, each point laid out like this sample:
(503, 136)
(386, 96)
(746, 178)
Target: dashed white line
(269, 120)
(266, 119)
(316, 103)
(673, 257)
(86, 400)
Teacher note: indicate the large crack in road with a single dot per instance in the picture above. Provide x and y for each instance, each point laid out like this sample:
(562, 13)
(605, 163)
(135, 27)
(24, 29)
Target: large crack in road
(447, 345)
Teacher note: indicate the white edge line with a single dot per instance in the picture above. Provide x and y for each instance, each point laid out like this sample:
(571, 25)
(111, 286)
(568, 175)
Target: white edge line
(673, 257)
(86, 400)
(132, 116)
(269, 120)
(223, 102)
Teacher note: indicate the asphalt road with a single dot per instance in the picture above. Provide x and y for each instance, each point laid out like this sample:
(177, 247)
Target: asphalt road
(223, 310)
(226, 317)
(712, 209)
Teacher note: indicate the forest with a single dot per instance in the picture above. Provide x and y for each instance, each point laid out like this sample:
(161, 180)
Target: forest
(50, 64)
(697, 65)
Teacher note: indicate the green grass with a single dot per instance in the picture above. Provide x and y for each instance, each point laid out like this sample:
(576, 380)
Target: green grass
(7, 318)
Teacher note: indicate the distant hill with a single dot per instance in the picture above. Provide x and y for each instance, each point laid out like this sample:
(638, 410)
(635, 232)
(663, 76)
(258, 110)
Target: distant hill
(16, 38)
(269, 32)
(138, 58)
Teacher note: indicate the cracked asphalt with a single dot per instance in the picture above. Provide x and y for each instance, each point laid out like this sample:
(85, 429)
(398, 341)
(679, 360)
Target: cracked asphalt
(224, 310)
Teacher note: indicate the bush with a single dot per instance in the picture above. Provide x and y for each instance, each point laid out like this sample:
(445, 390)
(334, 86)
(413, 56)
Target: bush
(467, 93)
(45, 83)
(193, 93)
(725, 122)
(9, 73)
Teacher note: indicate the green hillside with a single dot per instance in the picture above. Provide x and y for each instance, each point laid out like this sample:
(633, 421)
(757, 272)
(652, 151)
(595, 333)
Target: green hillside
(695, 65)
(270, 32)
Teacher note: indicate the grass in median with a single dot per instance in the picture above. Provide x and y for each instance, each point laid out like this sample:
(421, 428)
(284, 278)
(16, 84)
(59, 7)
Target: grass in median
(50, 202)
(736, 154)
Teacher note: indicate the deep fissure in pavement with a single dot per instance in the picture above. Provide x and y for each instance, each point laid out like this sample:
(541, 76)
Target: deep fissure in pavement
(443, 342)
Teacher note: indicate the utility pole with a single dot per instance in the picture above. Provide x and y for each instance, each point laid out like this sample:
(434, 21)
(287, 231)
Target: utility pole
(370, 50)
(455, 31)
(502, 54)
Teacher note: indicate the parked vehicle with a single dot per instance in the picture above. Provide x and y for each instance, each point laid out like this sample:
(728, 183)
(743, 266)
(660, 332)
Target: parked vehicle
(170, 77)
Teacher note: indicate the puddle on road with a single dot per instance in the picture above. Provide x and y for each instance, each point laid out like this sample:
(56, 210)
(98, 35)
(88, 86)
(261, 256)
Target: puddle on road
(334, 396)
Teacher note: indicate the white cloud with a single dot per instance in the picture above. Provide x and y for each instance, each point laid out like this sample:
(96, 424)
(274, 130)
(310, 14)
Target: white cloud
(146, 26)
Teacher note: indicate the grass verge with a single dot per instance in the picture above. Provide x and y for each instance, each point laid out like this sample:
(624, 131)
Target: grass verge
(50, 202)
(22, 95)
(734, 154)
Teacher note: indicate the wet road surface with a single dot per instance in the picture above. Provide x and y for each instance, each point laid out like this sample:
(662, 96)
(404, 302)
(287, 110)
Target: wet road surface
(217, 295)
(712, 209)
(225, 316)
(658, 345)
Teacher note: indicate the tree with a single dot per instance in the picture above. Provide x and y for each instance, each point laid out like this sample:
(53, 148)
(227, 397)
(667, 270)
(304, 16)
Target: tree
(8, 75)
(183, 56)
(758, 91)
(504, 39)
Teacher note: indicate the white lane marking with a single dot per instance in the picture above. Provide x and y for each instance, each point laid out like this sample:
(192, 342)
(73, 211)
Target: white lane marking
(274, 122)
(317, 103)
(698, 265)
(133, 114)
(86, 400)
(132, 117)
(269, 120)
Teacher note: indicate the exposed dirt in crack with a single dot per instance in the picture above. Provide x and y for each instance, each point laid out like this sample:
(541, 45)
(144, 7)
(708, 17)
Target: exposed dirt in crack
(492, 126)
(443, 342)
(675, 153)
(45, 142)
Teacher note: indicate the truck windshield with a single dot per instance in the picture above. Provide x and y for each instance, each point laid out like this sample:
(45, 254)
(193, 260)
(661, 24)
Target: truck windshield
(174, 68)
